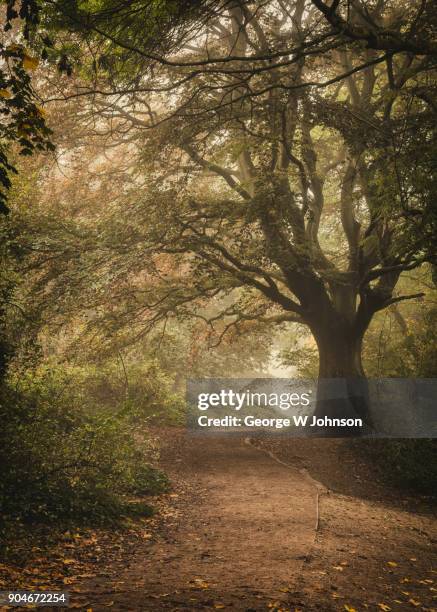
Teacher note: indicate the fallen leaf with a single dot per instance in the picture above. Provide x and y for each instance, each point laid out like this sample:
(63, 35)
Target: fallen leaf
(4, 93)
(30, 63)
(384, 607)
(414, 602)
(349, 608)
(200, 583)
(392, 563)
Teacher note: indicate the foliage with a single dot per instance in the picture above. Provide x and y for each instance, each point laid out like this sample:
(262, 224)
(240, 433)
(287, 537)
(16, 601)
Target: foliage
(218, 175)
(403, 344)
(65, 456)
(410, 463)
(138, 387)
(301, 354)
(23, 120)
(224, 200)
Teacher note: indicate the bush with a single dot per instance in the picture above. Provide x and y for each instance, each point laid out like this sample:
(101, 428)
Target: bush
(410, 463)
(140, 388)
(65, 456)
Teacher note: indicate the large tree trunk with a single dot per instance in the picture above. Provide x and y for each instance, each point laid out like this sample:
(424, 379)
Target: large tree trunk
(342, 390)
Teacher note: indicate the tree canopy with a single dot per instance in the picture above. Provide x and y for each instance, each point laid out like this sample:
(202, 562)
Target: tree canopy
(262, 162)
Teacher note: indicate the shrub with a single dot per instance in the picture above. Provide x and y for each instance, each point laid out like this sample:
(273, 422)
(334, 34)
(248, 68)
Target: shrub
(410, 463)
(64, 456)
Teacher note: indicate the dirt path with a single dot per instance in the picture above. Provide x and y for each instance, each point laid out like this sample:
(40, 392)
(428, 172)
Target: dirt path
(240, 531)
(242, 527)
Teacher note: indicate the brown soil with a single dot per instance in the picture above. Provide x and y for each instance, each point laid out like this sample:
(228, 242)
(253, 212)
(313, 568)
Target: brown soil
(258, 526)
(375, 547)
(266, 524)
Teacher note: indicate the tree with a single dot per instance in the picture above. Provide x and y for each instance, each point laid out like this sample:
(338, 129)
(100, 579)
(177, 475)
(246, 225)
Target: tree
(23, 123)
(355, 21)
(284, 170)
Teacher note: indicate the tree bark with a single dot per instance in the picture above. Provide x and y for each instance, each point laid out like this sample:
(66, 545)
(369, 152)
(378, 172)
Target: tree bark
(342, 390)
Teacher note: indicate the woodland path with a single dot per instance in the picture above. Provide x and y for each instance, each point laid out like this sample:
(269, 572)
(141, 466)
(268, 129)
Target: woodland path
(237, 539)
(240, 530)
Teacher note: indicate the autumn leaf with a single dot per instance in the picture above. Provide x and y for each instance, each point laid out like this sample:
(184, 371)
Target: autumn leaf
(4, 93)
(384, 607)
(199, 583)
(30, 63)
(349, 608)
(392, 563)
(414, 602)
(14, 48)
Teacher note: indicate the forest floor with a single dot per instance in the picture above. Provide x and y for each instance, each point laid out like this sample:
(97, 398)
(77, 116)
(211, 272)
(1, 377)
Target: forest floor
(268, 524)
